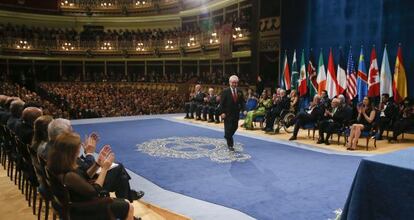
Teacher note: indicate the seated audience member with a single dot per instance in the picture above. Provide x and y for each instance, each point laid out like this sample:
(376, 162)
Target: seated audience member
(195, 104)
(39, 141)
(311, 115)
(281, 103)
(217, 110)
(325, 101)
(117, 179)
(294, 100)
(264, 103)
(405, 120)
(3, 99)
(333, 120)
(24, 130)
(16, 108)
(365, 120)
(62, 162)
(6, 114)
(251, 101)
(388, 113)
(210, 104)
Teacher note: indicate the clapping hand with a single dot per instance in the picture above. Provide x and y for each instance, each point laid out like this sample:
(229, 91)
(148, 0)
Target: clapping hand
(90, 142)
(108, 161)
(103, 154)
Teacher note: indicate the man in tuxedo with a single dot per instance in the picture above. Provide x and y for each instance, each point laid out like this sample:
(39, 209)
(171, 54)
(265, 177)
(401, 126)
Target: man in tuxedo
(196, 100)
(210, 104)
(388, 114)
(333, 120)
(231, 103)
(311, 115)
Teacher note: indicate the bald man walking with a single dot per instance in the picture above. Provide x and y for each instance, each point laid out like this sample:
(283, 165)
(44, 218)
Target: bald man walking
(231, 103)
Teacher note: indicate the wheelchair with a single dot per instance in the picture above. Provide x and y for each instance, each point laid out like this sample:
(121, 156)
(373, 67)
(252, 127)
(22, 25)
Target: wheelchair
(285, 121)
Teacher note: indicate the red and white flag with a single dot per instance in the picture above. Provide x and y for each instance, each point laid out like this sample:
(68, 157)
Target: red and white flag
(331, 82)
(373, 76)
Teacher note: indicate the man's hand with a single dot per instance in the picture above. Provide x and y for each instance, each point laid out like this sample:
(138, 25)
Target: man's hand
(90, 143)
(223, 115)
(108, 161)
(103, 154)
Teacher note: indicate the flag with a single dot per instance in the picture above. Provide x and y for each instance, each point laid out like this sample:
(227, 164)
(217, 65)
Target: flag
(331, 83)
(312, 83)
(295, 73)
(362, 86)
(399, 84)
(286, 74)
(321, 78)
(303, 89)
(373, 76)
(341, 73)
(386, 77)
(351, 78)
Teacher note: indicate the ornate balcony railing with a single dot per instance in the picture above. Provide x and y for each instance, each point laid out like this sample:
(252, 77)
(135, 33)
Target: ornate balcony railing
(189, 43)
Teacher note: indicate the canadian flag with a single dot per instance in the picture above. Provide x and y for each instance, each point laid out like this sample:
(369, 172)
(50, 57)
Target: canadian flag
(373, 76)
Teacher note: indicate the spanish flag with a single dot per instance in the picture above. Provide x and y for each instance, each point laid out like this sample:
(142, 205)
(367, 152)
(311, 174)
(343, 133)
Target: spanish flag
(399, 85)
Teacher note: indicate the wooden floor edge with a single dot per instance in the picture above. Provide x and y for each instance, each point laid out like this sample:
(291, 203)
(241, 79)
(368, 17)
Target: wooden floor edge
(168, 214)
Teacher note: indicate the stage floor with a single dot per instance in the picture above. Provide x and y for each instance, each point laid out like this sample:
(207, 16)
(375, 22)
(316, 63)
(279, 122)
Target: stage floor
(183, 166)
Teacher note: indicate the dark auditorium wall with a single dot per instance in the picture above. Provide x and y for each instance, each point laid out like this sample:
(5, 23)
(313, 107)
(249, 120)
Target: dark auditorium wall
(341, 23)
(47, 5)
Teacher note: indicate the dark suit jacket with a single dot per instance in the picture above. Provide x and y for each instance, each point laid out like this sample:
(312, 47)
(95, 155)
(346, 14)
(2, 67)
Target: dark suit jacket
(284, 103)
(4, 116)
(199, 98)
(229, 107)
(25, 132)
(316, 113)
(12, 123)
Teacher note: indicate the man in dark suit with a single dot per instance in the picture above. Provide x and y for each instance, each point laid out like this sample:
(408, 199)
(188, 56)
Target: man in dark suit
(311, 115)
(388, 114)
(16, 109)
(24, 129)
(210, 104)
(231, 103)
(279, 104)
(333, 120)
(195, 104)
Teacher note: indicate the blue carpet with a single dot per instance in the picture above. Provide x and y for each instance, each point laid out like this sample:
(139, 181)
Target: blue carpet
(278, 182)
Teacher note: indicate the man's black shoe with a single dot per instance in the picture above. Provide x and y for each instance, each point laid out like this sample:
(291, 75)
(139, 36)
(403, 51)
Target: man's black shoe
(292, 138)
(134, 195)
(327, 142)
(231, 148)
(320, 141)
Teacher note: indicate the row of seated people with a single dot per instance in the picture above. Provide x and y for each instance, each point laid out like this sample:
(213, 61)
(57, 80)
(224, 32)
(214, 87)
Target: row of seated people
(32, 98)
(91, 100)
(326, 115)
(70, 161)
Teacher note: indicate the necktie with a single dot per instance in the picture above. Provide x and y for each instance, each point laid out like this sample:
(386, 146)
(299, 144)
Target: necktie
(234, 95)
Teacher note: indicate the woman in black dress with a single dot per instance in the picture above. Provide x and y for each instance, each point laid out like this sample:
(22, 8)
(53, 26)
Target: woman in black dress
(366, 116)
(62, 163)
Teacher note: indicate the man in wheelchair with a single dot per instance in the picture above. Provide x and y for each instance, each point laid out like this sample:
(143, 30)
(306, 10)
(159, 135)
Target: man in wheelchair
(280, 107)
